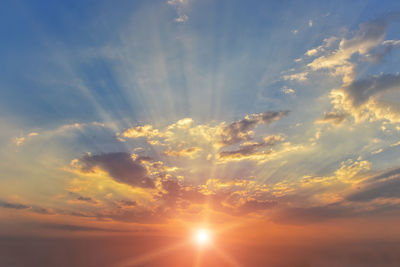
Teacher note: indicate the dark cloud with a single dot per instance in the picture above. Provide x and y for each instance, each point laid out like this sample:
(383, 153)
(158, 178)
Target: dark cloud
(378, 54)
(127, 203)
(176, 193)
(385, 175)
(333, 117)
(242, 130)
(373, 32)
(248, 149)
(16, 206)
(257, 205)
(121, 167)
(79, 197)
(44, 211)
(70, 227)
(368, 32)
(32, 208)
(151, 216)
(133, 214)
(307, 215)
(77, 213)
(389, 188)
(360, 91)
(384, 185)
(86, 199)
(244, 150)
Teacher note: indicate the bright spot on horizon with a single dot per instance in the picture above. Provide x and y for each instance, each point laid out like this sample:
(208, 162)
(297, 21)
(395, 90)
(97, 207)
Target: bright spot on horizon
(202, 237)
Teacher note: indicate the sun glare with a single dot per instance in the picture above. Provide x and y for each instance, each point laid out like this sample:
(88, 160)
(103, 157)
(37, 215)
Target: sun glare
(202, 237)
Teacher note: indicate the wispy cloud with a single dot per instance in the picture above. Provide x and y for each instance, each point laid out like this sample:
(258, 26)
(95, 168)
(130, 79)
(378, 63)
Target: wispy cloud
(181, 9)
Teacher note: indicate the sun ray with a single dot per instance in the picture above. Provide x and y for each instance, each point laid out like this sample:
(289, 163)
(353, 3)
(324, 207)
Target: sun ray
(226, 257)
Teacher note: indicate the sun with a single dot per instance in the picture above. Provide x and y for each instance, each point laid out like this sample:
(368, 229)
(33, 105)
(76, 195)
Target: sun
(202, 237)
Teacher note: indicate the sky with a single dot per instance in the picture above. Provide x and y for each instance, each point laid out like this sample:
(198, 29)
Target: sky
(127, 126)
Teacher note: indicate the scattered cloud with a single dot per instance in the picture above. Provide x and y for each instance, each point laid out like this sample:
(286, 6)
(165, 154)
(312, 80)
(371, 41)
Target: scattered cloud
(19, 140)
(141, 131)
(369, 36)
(302, 76)
(287, 91)
(333, 118)
(181, 9)
(250, 150)
(242, 130)
(186, 152)
(363, 98)
(186, 132)
(380, 150)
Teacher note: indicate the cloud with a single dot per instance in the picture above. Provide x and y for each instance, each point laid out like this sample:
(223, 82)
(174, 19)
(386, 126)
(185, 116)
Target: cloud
(329, 189)
(332, 117)
(45, 211)
(287, 91)
(302, 76)
(126, 203)
(308, 215)
(184, 123)
(181, 8)
(86, 199)
(388, 174)
(236, 197)
(327, 43)
(243, 130)
(79, 198)
(361, 91)
(352, 195)
(146, 131)
(365, 42)
(186, 152)
(19, 140)
(377, 54)
(257, 205)
(31, 208)
(392, 42)
(369, 36)
(16, 206)
(245, 152)
(120, 166)
(358, 98)
(203, 136)
(385, 185)
(78, 228)
(313, 51)
(362, 98)
(382, 189)
(250, 150)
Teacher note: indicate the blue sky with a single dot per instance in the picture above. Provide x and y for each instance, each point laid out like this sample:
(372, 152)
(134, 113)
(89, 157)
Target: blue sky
(48, 48)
